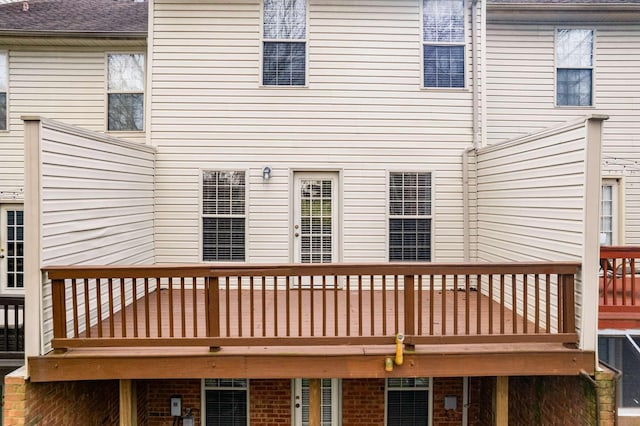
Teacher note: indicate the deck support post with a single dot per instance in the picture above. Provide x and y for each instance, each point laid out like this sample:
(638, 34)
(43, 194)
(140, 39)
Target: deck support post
(501, 401)
(315, 401)
(128, 411)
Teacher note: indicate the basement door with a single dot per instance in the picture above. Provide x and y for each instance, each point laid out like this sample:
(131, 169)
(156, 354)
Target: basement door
(330, 410)
(11, 249)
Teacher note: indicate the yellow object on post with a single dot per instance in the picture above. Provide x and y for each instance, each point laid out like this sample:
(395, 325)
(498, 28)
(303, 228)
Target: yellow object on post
(399, 348)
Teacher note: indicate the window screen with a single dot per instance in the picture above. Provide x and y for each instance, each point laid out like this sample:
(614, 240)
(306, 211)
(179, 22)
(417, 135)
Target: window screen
(226, 402)
(4, 86)
(574, 62)
(410, 216)
(408, 401)
(125, 91)
(443, 43)
(223, 215)
(284, 43)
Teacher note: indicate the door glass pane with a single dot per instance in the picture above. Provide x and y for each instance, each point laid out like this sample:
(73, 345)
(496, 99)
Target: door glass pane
(316, 221)
(14, 248)
(326, 403)
(606, 215)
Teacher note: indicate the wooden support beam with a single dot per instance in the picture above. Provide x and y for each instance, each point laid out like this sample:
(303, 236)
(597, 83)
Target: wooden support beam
(128, 409)
(501, 413)
(315, 401)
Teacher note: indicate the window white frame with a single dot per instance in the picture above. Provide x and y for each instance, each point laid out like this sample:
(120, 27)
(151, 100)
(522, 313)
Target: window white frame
(610, 212)
(141, 92)
(429, 389)
(297, 398)
(264, 40)
(202, 215)
(4, 88)
(592, 67)
(614, 349)
(462, 43)
(236, 386)
(430, 217)
(4, 253)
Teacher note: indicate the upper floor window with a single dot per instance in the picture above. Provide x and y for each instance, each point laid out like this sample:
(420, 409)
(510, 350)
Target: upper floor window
(4, 85)
(284, 43)
(223, 215)
(410, 216)
(443, 43)
(125, 89)
(574, 67)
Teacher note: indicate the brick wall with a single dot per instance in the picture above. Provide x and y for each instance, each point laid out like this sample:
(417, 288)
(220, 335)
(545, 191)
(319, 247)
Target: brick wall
(551, 400)
(270, 403)
(363, 402)
(158, 394)
(60, 403)
(447, 386)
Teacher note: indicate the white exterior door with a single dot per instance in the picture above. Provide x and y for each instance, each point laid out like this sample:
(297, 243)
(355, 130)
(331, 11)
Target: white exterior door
(11, 249)
(609, 211)
(330, 414)
(315, 222)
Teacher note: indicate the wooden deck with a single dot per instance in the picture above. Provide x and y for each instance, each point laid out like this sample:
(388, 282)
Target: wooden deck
(270, 321)
(619, 306)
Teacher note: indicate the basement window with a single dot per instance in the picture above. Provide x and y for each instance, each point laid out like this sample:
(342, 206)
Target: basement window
(408, 401)
(226, 402)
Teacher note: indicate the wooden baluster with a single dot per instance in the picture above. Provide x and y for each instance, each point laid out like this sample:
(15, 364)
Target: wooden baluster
(373, 304)
(537, 302)
(348, 305)
(135, 308)
(74, 298)
(275, 305)
(431, 304)
(171, 332)
(569, 304)
(455, 305)
(213, 288)
(99, 306)
(490, 301)
(239, 290)
(525, 300)
(396, 303)
(147, 312)
(443, 305)
(252, 305)
(123, 308)
(632, 265)
(227, 309)
(87, 310)
(183, 316)
(159, 307)
(194, 301)
(288, 302)
(111, 322)
(502, 304)
(360, 319)
(420, 304)
(514, 303)
(324, 306)
(467, 309)
(384, 305)
(409, 305)
(547, 300)
(479, 305)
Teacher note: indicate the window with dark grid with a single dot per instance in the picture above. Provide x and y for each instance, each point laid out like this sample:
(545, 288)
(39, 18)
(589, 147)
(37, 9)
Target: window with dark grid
(408, 401)
(223, 215)
(284, 43)
(574, 62)
(443, 43)
(15, 249)
(225, 402)
(4, 86)
(410, 216)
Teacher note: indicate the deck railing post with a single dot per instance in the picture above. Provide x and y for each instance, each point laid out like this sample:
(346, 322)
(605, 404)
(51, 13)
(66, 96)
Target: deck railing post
(409, 305)
(568, 303)
(59, 309)
(213, 308)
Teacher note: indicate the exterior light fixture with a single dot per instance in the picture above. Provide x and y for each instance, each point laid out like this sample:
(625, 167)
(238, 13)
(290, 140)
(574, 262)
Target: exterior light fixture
(266, 173)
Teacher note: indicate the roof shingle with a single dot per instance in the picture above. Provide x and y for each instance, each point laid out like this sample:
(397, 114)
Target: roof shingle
(75, 16)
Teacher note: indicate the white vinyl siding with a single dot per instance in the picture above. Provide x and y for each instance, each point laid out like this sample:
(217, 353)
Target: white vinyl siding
(362, 114)
(574, 67)
(100, 213)
(521, 91)
(62, 83)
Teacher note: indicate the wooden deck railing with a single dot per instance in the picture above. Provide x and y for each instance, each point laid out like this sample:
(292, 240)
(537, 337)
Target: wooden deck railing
(11, 327)
(330, 304)
(620, 279)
